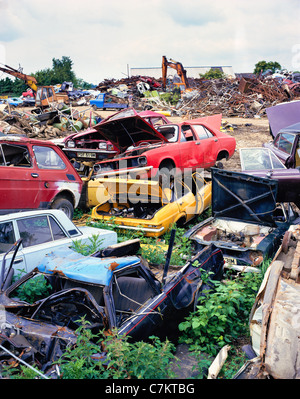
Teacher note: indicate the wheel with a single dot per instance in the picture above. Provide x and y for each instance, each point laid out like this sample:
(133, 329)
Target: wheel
(64, 205)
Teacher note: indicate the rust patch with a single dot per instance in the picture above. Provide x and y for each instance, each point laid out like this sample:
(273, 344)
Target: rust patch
(113, 266)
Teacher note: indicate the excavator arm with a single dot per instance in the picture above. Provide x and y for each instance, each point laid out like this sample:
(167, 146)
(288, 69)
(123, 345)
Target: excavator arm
(30, 80)
(175, 65)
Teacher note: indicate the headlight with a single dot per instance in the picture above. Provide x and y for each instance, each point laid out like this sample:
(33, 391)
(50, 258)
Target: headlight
(142, 161)
(102, 145)
(71, 144)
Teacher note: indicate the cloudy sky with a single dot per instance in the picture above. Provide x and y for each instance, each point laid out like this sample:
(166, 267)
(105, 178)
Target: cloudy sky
(104, 37)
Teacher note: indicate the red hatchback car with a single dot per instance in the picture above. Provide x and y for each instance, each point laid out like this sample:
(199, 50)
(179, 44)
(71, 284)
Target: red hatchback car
(36, 174)
(196, 143)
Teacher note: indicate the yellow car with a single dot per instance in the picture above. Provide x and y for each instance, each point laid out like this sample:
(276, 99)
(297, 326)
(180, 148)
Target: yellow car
(145, 206)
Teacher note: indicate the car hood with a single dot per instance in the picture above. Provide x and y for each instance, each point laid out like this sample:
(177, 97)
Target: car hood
(243, 197)
(126, 128)
(82, 268)
(283, 115)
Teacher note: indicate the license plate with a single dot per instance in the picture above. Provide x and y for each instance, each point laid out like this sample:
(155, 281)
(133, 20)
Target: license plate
(87, 154)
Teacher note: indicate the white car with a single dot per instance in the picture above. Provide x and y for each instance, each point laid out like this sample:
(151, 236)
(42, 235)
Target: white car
(43, 231)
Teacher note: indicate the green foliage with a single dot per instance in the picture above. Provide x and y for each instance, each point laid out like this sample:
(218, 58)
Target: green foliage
(95, 244)
(213, 74)
(222, 315)
(34, 289)
(171, 97)
(262, 66)
(122, 360)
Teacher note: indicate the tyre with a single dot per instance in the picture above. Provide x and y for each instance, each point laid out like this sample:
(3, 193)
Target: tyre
(64, 205)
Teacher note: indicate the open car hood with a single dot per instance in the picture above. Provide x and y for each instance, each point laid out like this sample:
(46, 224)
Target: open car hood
(243, 197)
(283, 115)
(126, 128)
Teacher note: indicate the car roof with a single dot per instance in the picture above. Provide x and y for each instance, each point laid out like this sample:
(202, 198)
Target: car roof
(24, 140)
(60, 215)
(87, 269)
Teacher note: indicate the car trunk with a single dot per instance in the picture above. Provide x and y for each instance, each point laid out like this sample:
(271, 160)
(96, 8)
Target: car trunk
(242, 225)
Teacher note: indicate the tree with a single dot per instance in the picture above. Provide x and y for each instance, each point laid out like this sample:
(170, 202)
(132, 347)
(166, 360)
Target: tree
(213, 73)
(262, 66)
(62, 70)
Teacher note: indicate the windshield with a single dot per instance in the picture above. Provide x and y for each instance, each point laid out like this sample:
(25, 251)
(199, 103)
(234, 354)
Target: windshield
(259, 159)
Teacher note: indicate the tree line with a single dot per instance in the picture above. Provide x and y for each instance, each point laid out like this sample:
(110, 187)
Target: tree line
(60, 72)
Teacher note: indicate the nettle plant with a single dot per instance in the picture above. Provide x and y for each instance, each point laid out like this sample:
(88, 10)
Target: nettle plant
(222, 315)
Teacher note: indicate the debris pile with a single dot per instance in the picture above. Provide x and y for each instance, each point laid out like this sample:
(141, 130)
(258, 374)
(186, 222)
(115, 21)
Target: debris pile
(242, 97)
(57, 121)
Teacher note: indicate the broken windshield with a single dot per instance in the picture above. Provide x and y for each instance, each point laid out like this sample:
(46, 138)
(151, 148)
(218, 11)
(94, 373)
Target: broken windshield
(259, 159)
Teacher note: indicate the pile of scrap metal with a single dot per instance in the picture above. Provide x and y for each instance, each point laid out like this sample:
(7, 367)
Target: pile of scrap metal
(274, 319)
(54, 122)
(241, 96)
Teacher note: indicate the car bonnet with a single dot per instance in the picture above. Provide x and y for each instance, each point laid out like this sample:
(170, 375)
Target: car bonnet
(127, 128)
(88, 269)
(243, 197)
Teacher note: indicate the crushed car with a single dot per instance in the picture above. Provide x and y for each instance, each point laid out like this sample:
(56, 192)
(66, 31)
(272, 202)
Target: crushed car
(109, 292)
(42, 231)
(148, 206)
(246, 223)
(193, 144)
(36, 174)
(274, 318)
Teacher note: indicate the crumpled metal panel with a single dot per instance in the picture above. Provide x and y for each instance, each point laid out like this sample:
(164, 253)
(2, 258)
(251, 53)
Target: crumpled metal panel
(283, 346)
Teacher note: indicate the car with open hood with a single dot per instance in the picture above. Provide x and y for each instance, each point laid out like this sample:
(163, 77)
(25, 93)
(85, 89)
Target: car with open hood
(91, 146)
(106, 291)
(246, 223)
(192, 144)
(146, 205)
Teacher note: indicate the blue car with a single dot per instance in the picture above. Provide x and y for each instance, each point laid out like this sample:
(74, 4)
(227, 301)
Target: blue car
(15, 101)
(111, 289)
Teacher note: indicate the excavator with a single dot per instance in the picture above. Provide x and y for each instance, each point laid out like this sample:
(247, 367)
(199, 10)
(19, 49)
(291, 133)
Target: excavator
(180, 71)
(44, 95)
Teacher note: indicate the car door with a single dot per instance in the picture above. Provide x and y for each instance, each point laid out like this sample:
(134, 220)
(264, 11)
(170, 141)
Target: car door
(19, 182)
(282, 146)
(54, 174)
(8, 237)
(208, 144)
(191, 153)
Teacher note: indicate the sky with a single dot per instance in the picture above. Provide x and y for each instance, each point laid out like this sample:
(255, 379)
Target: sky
(105, 38)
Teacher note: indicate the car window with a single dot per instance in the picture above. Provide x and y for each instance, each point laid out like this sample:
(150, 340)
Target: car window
(202, 132)
(259, 159)
(47, 158)
(284, 142)
(169, 132)
(7, 236)
(187, 132)
(38, 230)
(14, 155)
